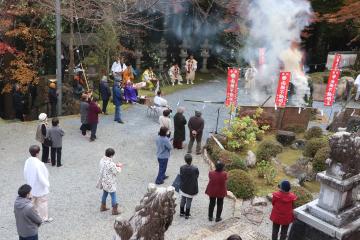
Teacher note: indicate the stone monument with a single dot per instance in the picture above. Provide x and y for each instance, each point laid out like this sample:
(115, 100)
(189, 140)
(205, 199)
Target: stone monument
(152, 217)
(162, 54)
(183, 54)
(335, 215)
(205, 55)
(138, 55)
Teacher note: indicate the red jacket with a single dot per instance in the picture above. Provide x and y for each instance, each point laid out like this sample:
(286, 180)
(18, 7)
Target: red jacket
(217, 184)
(282, 212)
(93, 113)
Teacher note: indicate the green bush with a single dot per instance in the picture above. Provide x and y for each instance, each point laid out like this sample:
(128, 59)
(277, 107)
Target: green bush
(242, 132)
(268, 149)
(266, 170)
(319, 159)
(241, 184)
(313, 132)
(303, 196)
(230, 159)
(313, 145)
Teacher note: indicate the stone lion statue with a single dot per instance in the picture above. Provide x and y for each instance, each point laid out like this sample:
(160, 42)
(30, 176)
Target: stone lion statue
(153, 216)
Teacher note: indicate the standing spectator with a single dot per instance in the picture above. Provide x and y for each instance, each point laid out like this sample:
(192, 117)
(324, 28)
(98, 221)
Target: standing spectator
(27, 220)
(357, 84)
(107, 180)
(196, 127)
(53, 99)
(216, 190)
(282, 213)
(117, 99)
(163, 146)
(37, 176)
(179, 128)
(93, 117)
(165, 121)
(117, 70)
(56, 134)
(84, 112)
(105, 93)
(33, 93)
(41, 135)
(19, 102)
(189, 175)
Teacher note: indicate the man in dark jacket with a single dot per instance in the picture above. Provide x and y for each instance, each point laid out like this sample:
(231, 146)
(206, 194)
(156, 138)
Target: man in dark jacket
(18, 101)
(53, 98)
(117, 102)
(196, 127)
(189, 175)
(27, 220)
(105, 93)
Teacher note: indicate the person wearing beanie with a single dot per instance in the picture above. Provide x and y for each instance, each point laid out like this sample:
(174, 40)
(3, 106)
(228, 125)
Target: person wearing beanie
(27, 219)
(282, 213)
(42, 134)
(189, 175)
(196, 127)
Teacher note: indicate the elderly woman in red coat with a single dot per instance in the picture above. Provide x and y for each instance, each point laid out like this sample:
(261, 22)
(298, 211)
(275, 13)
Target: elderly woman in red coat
(216, 190)
(282, 213)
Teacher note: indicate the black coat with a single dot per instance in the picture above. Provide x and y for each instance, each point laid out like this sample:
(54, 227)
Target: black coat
(189, 179)
(104, 89)
(179, 127)
(52, 96)
(18, 100)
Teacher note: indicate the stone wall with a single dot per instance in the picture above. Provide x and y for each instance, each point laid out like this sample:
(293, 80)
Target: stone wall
(283, 118)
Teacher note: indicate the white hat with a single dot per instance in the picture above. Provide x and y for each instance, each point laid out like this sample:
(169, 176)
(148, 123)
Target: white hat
(42, 116)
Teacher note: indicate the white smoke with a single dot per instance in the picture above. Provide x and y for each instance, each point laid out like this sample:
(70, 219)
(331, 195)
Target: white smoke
(275, 25)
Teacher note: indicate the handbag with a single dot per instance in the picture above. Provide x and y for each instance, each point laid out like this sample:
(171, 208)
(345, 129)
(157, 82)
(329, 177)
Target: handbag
(48, 142)
(176, 183)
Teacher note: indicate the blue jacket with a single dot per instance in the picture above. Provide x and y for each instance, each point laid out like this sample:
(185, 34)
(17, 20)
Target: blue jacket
(117, 95)
(163, 147)
(104, 89)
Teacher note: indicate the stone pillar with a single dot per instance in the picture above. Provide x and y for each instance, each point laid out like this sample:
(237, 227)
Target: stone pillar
(205, 54)
(183, 54)
(336, 214)
(138, 55)
(163, 54)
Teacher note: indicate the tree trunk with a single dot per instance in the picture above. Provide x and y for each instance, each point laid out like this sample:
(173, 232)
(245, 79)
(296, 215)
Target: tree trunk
(107, 62)
(71, 44)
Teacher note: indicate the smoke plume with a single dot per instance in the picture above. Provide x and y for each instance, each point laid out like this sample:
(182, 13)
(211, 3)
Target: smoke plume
(276, 25)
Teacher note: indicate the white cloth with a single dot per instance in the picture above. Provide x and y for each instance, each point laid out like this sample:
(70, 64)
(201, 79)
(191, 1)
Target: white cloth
(37, 176)
(190, 65)
(117, 67)
(165, 122)
(160, 102)
(108, 172)
(357, 80)
(174, 73)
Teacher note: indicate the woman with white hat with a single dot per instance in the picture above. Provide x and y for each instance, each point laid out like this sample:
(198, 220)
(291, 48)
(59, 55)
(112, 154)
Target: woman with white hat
(42, 137)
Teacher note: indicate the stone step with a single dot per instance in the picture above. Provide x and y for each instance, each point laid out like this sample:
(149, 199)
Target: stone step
(224, 229)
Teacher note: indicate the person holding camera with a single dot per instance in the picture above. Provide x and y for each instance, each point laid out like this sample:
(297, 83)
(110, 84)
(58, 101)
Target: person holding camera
(27, 219)
(282, 215)
(196, 127)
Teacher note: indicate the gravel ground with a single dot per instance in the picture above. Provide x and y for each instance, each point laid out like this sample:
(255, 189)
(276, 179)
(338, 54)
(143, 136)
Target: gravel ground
(74, 201)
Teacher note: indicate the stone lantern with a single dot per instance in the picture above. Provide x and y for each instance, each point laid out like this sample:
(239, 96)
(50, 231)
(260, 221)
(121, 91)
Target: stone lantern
(205, 55)
(183, 53)
(335, 215)
(138, 55)
(162, 54)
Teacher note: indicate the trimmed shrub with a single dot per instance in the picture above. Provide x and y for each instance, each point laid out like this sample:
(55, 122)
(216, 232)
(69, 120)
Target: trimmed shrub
(303, 196)
(313, 145)
(236, 163)
(313, 132)
(267, 171)
(240, 183)
(267, 150)
(319, 159)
